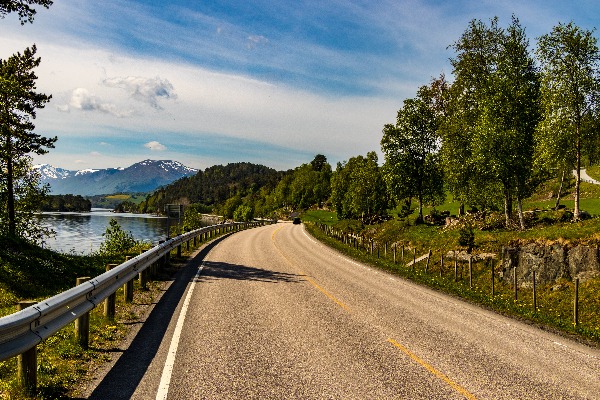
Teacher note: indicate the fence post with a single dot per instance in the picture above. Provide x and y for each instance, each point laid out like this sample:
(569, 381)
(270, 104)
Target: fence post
(470, 271)
(414, 258)
(492, 269)
(534, 294)
(515, 282)
(455, 267)
(385, 250)
(442, 264)
(395, 253)
(427, 264)
(27, 362)
(576, 303)
(82, 324)
(109, 302)
(128, 287)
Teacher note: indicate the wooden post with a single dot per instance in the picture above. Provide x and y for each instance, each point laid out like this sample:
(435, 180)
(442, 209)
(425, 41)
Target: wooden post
(27, 362)
(492, 269)
(470, 271)
(428, 257)
(534, 294)
(515, 282)
(82, 324)
(109, 302)
(455, 267)
(442, 264)
(385, 250)
(414, 258)
(187, 245)
(394, 254)
(128, 287)
(403, 254)
(179, 251)
(576, 303)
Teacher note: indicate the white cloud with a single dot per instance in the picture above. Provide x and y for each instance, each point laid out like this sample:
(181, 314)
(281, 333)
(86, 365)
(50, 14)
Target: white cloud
(155, 146)
(147, 90)
(82, 99)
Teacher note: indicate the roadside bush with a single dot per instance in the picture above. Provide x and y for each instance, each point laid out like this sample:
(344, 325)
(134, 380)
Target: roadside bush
(117, 241)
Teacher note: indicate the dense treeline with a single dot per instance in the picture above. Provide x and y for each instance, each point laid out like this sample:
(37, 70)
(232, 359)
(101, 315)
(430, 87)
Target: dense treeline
(506, 122)
(66, 203)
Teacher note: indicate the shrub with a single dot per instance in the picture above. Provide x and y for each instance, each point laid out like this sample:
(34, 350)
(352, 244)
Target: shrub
(117, 241)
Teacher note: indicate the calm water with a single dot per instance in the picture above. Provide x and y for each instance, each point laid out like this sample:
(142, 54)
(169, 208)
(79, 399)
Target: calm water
(82, 232)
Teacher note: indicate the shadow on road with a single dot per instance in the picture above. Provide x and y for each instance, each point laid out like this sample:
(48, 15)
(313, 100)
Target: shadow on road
(220, 270)
(123, 379)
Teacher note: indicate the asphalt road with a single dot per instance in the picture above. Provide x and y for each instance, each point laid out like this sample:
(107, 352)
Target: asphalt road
(275, 315)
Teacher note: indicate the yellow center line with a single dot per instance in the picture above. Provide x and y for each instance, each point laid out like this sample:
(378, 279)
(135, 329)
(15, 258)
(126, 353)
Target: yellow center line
(434, 371)
(312, 282)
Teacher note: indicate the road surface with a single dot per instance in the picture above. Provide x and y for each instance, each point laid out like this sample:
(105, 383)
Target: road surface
(273, 314)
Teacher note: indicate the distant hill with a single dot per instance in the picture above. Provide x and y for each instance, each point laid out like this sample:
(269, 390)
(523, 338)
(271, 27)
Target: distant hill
(214, 186)
(145, 176)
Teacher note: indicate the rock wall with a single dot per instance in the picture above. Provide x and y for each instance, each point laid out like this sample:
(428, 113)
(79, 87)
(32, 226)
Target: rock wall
(550, 262)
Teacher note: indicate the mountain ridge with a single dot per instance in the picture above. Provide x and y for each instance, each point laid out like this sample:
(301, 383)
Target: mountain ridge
(144, 176)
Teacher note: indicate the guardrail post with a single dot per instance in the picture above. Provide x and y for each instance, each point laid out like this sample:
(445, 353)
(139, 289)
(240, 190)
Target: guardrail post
(179, 251)
(128, 287)
(109, 302)
(27, 362)
(82, 324)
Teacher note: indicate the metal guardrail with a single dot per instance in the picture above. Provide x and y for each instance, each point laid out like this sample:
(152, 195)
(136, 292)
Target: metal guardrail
(24, 329)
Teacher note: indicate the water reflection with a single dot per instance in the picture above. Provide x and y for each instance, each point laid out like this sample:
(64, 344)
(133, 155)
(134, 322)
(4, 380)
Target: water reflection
(82, 232)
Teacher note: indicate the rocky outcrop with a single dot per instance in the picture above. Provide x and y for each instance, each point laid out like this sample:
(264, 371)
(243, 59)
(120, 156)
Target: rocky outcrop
(550, 262)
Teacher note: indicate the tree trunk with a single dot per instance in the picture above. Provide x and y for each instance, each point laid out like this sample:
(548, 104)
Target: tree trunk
(578, 175)
(420, 218)
(461, 209)
(562, 181)
(10, 203)
(507, 206)
(520, 210)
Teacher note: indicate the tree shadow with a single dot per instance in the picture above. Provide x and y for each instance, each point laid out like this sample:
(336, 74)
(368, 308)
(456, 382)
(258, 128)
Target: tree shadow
(219, 270)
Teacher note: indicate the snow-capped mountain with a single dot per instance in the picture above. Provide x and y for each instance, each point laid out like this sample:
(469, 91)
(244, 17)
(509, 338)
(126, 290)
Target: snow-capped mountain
(144, 176)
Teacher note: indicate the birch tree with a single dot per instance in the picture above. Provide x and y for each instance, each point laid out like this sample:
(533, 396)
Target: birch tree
(569, 60)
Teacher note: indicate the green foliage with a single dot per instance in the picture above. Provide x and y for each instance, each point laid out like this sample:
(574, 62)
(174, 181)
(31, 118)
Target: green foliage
(570, 62)
(412, 166)
(358, 190)
(28, 271)
(23, 8)
(66, 203)
(466, 237)
(243, 213)
(18, 104)
(116, 241)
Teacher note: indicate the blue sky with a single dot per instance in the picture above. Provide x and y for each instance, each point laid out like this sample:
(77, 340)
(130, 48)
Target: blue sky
(270, 82)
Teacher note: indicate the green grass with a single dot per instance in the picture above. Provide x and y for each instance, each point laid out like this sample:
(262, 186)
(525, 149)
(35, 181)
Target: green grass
(320, 217)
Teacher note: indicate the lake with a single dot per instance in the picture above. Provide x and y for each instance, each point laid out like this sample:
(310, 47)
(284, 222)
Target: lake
(82, 232)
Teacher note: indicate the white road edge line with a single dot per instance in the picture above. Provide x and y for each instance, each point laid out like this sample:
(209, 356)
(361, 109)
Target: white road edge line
(165, 380)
